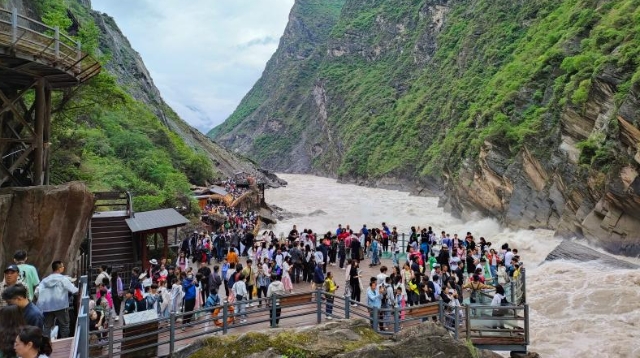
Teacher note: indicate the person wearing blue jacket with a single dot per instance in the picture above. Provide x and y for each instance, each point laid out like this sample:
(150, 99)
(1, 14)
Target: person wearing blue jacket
(189, 289)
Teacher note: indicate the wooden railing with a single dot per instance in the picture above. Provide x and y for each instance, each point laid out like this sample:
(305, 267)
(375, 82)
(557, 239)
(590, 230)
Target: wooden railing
(43, 43)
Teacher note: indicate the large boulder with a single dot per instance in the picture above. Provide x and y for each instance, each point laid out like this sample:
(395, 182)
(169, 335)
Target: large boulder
(49, 222)
(340, 338)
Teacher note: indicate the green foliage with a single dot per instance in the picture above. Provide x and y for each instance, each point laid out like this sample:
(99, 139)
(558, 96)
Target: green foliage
(499, 72)
(103, 136)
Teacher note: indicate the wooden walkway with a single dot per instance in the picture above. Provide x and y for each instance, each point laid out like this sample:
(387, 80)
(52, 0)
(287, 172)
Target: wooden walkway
(299, 316)
(61, 348)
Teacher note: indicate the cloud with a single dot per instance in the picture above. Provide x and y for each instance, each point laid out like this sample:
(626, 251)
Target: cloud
(204, 56)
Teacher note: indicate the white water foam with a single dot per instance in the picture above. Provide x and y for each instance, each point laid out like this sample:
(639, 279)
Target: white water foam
(578, 309)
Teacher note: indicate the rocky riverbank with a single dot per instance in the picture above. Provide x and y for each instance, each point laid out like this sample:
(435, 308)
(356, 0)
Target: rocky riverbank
(341, 339)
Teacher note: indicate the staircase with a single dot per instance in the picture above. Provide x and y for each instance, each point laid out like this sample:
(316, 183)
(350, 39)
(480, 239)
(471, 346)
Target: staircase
(111, 241)
(111, 238)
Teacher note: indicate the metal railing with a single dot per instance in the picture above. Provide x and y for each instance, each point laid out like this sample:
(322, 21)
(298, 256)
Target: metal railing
(167, 334)
(80, 343)
(24, 35)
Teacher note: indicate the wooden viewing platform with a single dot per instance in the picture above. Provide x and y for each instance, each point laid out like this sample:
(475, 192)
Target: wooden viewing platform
(301, 309)
(35, 59)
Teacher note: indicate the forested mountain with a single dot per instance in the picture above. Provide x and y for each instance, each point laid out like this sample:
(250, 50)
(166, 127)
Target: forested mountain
(115, 132)
(527, 111)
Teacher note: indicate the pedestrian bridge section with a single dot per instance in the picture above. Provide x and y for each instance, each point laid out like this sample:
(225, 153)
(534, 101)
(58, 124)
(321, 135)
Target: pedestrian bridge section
(35, 59)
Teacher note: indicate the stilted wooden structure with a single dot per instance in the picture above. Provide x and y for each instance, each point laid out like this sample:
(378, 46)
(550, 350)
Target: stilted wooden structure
(35, 60)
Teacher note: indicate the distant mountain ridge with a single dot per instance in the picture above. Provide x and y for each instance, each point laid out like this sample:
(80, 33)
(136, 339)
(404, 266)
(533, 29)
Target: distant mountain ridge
(525, 111)
(115, 132)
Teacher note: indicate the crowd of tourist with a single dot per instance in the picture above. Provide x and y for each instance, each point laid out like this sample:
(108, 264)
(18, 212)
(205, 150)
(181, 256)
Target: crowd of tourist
(26, 328)
(434, 267)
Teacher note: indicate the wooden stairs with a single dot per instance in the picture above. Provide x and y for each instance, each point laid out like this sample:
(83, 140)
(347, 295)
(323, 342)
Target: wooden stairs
(111, 238)
(111, 241)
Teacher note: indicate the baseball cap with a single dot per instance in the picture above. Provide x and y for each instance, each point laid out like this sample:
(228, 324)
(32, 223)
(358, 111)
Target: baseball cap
(12, 268)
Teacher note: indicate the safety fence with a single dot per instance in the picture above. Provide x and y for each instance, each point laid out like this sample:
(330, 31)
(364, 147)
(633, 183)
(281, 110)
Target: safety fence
(39, 41)
(502, 328)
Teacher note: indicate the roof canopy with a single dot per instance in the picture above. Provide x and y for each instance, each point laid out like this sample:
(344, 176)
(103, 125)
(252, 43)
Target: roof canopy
(156, 219)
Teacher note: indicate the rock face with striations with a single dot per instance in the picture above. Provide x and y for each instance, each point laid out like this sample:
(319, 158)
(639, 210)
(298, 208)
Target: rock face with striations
(341, 338)
(522, 111)
(49, 222)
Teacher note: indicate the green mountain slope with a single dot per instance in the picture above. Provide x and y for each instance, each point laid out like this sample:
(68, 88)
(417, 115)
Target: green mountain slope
(524, 110)
(115, 132)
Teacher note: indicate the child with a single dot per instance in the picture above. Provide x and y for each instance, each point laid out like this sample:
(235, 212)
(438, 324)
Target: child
(130, 304)
(213, 299)
(152, 298)
(225, 270)
(400, 301)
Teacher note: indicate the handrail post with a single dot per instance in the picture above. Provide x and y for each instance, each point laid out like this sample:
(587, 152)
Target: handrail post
(456, 322)
(441, 312)
(526, 323)
(374, 319)
(396, 319)
(172, 331)
(56, 45)
(513, 292)
(14, 26)
(319, 305)
(79, 56)
(347, 306)
(523, 273)
(111, 341)
(225, 315)
(274, 311)
(467, 321)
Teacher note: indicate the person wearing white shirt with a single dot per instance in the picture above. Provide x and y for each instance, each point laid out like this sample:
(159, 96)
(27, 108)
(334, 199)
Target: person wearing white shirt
(240, 292)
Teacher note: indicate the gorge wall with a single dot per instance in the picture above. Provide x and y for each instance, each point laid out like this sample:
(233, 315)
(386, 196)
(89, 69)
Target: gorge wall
(523, 111)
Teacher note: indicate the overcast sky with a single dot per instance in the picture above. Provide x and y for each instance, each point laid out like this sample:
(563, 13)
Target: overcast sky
(203, 55)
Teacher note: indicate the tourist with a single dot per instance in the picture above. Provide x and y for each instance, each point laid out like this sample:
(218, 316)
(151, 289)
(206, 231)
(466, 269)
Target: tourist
(53, 299)
(287, 267)
(275, 288)
(102, 274)
(205, 273)
(249, 272)
(374, 251)
(189, 289)
(374, 300)
(262, 281)
(11, 277)
(382, 276)
(475, 284)
(354, 282)
(16, 295)
(28, 273)
(176, 295)
(330, 287)
(164, 299)
(117, 293)
(309, 266)
(240, 293)
(32, 343)
(395, 250)
(130, 304)
(347, 277)
(318, 277)
(11, 320)
(102, 293)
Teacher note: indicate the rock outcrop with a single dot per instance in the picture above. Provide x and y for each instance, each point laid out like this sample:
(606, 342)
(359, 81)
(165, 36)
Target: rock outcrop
(341, 338)
(523, 111)
(49, 222)
(570, 250)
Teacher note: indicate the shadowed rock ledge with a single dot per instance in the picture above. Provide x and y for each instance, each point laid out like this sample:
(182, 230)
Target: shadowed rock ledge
(570, 250)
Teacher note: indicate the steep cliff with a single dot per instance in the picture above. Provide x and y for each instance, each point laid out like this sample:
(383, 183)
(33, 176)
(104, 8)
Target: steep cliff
(524, 111)
(115, 132)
